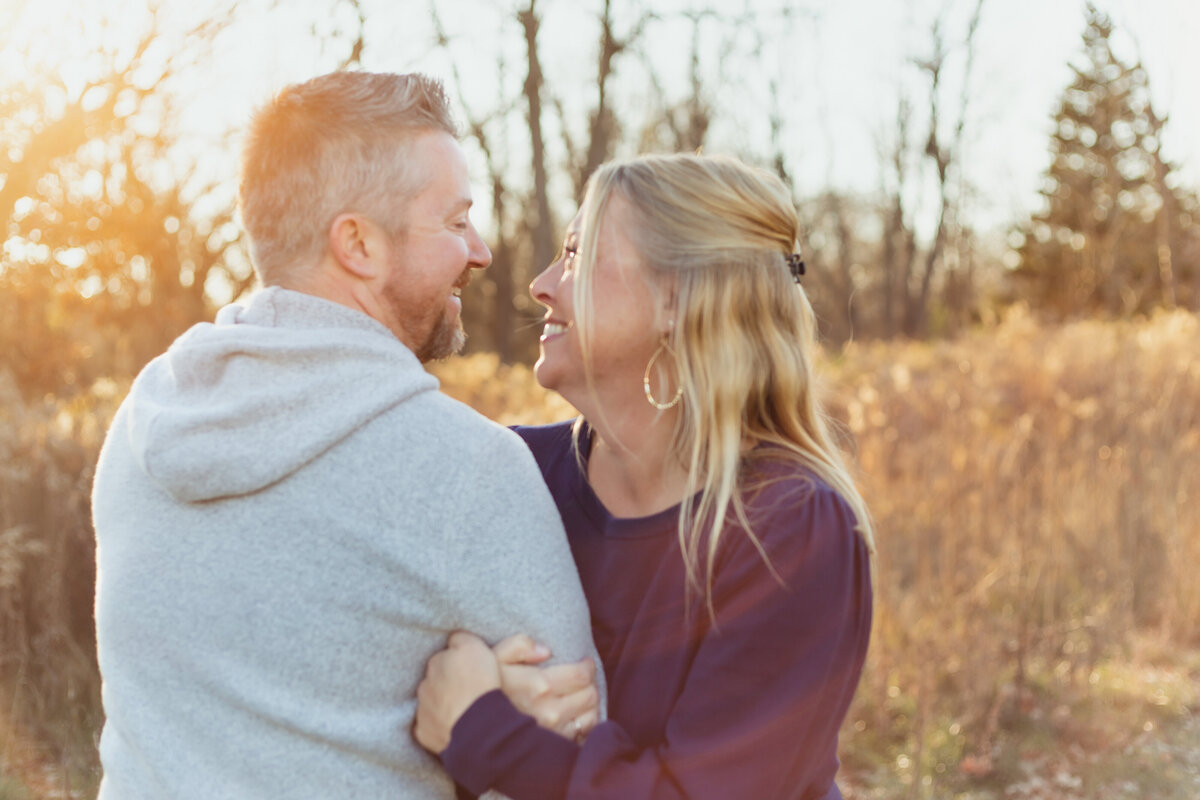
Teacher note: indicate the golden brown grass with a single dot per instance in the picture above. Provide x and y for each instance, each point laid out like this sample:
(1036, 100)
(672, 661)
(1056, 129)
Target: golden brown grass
(508, 394)
(1035, 492)
(48, 687)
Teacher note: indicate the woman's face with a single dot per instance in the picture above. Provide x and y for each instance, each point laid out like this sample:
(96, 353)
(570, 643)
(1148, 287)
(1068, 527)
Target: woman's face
(624, 329)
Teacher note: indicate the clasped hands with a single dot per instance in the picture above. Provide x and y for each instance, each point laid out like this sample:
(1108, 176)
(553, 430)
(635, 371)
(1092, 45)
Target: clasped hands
(561, 697)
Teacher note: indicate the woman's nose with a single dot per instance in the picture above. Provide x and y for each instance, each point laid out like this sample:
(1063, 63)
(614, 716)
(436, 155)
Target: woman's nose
(541, 288)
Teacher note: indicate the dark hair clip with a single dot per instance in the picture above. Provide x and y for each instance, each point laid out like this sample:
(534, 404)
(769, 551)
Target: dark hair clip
(796, 265)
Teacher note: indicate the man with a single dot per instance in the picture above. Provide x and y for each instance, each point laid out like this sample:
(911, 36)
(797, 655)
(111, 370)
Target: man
(290, 517)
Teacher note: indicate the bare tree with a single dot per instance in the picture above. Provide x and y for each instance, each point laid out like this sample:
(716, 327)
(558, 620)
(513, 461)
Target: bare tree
(683, 125)
(523, 216)
(910, 273)
(96, 190)
(945, 157)
(354, 57)
(1164, 233)
(834, 253)
(899, 241)
(542, 224)
(603, 129)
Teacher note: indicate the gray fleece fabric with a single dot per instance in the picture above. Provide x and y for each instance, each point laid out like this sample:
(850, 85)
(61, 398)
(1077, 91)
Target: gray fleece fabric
(290, 519)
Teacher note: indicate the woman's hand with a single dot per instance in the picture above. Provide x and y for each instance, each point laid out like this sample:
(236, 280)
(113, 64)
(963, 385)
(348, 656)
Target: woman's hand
(454, 679)
(561, 697)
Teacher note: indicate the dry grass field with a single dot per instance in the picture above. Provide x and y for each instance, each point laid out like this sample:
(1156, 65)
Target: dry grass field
(1035, 492)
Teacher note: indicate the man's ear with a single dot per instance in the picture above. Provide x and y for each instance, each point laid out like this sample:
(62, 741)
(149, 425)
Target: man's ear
(357, 245)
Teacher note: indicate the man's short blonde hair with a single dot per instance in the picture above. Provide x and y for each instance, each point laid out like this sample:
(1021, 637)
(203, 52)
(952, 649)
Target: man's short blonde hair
(334, 144)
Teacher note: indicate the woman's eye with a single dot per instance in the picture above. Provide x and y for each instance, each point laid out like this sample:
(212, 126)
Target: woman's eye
(568, 256)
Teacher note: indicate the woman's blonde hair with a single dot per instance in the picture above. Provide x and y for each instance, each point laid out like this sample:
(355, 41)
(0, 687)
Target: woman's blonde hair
(715, 234)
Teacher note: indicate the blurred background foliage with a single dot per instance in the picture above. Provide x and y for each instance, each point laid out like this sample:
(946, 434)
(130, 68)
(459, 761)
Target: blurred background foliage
(119, 234)
(110, 244)
(1026, 417)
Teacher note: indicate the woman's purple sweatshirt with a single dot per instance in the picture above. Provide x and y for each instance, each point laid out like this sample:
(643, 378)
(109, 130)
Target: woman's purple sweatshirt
(748, 707)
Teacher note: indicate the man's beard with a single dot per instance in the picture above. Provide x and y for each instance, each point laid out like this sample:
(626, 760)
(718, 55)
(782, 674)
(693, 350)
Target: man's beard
(445, 338)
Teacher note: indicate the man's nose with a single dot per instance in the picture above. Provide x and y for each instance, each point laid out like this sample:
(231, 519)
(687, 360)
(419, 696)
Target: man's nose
(479, 256)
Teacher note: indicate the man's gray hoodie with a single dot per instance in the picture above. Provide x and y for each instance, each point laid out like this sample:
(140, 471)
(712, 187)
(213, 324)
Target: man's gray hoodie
(290, 519)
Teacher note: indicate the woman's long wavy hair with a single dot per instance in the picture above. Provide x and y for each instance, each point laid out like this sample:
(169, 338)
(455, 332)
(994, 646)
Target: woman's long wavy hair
(715, 235)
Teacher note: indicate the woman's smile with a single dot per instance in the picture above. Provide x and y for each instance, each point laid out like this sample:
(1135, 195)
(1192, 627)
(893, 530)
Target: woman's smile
(554, 329)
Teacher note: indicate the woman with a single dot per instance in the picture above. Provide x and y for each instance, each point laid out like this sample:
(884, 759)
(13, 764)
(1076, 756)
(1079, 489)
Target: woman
(723, 548)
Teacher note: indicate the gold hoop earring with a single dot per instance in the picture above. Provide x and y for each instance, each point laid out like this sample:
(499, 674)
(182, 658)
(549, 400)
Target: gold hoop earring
(646, 380)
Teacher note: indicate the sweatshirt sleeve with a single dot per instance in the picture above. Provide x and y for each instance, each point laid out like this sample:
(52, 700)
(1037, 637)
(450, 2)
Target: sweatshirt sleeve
(764, 698)
(509, 558)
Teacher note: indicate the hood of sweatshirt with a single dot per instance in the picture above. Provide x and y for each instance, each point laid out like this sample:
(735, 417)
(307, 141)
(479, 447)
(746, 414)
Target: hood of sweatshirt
(239, 404)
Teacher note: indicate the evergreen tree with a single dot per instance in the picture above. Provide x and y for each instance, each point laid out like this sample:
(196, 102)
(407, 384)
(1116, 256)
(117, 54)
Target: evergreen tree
(1116, 235)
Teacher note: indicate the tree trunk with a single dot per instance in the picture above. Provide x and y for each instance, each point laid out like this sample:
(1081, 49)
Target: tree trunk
(543, 227)
(1166, 270)
(603, 124)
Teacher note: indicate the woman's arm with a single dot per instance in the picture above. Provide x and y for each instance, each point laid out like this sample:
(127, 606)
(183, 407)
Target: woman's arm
(560, 697)
(454, 679)
(762, 703)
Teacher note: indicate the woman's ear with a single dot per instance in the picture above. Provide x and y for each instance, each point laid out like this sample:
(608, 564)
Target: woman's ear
(357, 245)
(668, 306)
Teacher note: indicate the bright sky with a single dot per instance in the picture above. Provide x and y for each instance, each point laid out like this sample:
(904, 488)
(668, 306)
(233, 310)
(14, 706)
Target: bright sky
(838, 64)
(1022, 67)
